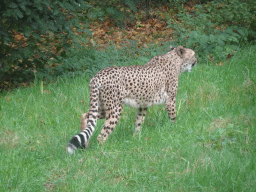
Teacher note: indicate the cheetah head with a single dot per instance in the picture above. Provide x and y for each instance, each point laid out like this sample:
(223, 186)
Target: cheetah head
(187, 57)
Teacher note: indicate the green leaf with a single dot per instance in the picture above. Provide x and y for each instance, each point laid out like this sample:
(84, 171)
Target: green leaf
(52, 26)
(212, 38)
(204, 39)
(242, 32)
(37, 36)
(234, 39)
(27, 32)
(6, 40)
(18, 13)
(3, 30)
(69, 6)
(88, 32)
(60, 4)
(13, 5)
(28, 52)
(56, 11)
(219, 49)
(22, 6)
(220, 42)
(39, 7)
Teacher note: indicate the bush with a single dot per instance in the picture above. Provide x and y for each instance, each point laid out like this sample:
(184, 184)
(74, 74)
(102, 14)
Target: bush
(218, 46)
(215, 30)
(31, 32)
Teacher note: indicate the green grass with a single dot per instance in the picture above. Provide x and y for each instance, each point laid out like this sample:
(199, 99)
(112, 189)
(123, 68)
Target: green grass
(210, 148)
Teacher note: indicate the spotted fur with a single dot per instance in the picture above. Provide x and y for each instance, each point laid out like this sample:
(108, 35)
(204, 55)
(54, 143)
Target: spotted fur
(139, 86)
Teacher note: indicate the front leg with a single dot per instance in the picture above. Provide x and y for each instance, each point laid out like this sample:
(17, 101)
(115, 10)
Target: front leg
(139, 120)
(170, 107)
(170, 103)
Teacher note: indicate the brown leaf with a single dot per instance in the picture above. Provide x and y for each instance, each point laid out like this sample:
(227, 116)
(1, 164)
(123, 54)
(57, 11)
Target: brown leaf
(229, 56)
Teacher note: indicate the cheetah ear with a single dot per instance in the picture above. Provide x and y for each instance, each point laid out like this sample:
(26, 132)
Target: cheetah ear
(180, 51)
(171, 47)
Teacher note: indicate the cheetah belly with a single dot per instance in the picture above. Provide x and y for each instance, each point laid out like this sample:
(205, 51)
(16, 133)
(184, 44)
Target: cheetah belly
(137, 103)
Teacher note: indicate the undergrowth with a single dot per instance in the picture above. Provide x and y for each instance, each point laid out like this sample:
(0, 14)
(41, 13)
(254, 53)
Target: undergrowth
(216, 30)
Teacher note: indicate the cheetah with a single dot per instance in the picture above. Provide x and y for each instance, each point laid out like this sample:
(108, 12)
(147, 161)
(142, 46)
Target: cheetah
(139, 86)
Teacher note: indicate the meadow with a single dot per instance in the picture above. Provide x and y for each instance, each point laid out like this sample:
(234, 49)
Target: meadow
(211, 147)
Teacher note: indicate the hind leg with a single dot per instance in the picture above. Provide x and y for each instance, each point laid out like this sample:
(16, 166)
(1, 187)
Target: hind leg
(84, 121)
(112, 117)
(139, 120)
(85, 117)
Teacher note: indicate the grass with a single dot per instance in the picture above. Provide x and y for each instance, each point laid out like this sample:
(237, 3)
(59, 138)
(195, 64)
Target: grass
(210, 148)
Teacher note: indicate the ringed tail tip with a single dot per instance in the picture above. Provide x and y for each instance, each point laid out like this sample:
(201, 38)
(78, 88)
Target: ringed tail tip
(71, 148)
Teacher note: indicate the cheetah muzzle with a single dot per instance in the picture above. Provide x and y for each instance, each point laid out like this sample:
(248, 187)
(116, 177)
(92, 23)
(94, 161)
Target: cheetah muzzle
(139, 86)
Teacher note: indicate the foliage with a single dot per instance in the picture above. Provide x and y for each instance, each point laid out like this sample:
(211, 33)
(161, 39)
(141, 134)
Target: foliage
(38, 45)
(28, 31)
(88, 61)
(215, 30)
(117, 10)
(80, 60)
(121, 12)
(219, 46)
(236, 12)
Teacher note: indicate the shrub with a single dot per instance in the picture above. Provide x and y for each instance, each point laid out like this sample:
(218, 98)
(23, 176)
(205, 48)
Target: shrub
(32, 31)
(216, 29)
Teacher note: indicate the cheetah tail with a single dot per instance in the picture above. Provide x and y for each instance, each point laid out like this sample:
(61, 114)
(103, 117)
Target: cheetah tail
(80, 140)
